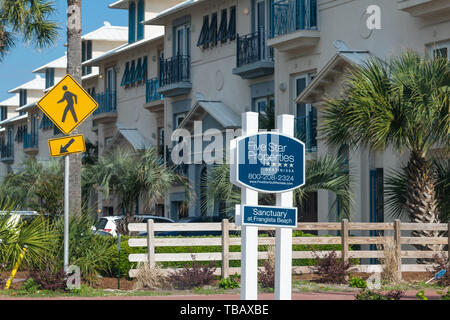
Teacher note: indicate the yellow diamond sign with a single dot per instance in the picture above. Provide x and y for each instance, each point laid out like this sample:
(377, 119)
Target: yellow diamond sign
(67, 104)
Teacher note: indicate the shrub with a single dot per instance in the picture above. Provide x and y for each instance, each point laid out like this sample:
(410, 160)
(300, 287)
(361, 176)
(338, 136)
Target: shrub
(150, 278)
(389, 262)
(331, 269)
(30, 286)
(445, 296)
(192, 277)
(367, 294)
(267, 277)
(230, 282)
(111, 267)
(421, 295)
(441, 263)
(356, 282)
(49, 278)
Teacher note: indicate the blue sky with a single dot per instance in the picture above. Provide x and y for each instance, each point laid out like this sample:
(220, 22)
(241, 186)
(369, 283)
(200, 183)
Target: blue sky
(16, 68)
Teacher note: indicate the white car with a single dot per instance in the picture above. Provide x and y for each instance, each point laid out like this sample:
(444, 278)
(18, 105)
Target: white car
(108, 224)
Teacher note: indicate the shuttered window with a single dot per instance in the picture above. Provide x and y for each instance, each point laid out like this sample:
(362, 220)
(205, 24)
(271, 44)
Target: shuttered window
(131, 23)
(231, 33)
(222, 34)
(133, 72)
(204, 32)
(213, 30)
(126, 74)
(141, 17)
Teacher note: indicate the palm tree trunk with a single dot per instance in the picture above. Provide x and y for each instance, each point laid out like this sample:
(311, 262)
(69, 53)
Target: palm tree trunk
(421, 203)
(74, 69)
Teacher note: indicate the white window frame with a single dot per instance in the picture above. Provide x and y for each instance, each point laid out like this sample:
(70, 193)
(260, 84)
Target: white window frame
(309, 78)
(108, 76)
(185, 44)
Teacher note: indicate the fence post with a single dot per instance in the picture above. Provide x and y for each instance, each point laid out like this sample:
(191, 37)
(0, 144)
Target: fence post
(225, 248)
(344, 239)
(398, 247)
(151, 243)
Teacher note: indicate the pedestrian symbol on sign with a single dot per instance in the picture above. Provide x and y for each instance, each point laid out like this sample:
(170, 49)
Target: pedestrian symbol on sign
(70, 98)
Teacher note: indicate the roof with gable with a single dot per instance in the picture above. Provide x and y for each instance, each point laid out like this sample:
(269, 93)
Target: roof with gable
(159, 18)
(217, 109)
(108, 33)
(334, 68)
(13, 101)
(38, 83)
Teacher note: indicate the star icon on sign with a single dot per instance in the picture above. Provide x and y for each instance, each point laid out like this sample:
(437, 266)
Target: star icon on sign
(285, 165)
(291, 165)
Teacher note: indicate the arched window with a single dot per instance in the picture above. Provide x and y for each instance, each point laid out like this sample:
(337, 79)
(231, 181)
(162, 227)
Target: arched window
(131, 23)
(141, 17)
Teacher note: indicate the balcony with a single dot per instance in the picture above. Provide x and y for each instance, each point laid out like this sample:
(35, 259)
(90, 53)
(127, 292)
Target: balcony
(154, 101)
(294, 25)
(7, 152)
(424, 8)
(306, 131)
(31, 143)
(175, 76)
(253, 57)
(107, 106)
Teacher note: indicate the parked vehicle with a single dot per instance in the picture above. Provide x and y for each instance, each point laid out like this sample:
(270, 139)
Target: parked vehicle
(20, 216)
(108, 224)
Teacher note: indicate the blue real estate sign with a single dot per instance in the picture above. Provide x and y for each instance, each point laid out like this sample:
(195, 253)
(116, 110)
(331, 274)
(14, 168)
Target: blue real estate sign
(269, 216)
(270, 162)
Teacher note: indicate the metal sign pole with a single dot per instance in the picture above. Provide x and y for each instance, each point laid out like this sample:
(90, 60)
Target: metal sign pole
(283, 240)
(66, 213)
(249, 247)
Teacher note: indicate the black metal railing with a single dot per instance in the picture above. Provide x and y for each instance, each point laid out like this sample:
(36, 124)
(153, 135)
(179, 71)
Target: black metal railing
(151, 91)
(174, 70)
(252, 48)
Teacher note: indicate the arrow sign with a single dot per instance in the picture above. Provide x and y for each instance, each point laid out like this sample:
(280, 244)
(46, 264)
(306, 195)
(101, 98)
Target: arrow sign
(63, 146)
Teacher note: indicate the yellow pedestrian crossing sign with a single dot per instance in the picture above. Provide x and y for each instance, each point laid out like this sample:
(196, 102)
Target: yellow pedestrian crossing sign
(63, 146)
(67, 104)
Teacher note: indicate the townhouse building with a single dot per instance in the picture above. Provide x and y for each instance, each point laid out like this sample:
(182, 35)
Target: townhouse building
(222, 58)
(184, 63)
(26, 130)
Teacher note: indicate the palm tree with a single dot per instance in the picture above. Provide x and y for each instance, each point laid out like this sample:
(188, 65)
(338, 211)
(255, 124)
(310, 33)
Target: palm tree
(131, 175)
(28, 18)
(403, 104)
(325, 173)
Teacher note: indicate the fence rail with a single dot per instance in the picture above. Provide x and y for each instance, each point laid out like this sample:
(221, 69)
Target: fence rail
(344, 239)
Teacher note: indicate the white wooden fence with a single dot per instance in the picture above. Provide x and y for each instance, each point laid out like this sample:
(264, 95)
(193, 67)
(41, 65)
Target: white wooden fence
(225, 241)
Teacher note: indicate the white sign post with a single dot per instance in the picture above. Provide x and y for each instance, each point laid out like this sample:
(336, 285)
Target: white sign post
(280, 172)
(249, 245)
(283, 240)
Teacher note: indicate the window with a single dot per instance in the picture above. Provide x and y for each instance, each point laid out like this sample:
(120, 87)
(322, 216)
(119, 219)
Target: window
(126, 75)
(212, 35)
(139, 70)
(161, 142)
(22, 97)
(231, 33)
(260, 17)
(110, 83)
(46, 123)
(86, 54)
(140, 19)
(21, 132)
(179, 117)
(265, 106)
(204, 32)
(133, 72)
(3, 113)
(222, 34)
(182, 40)
(131, 23)
(49, 77)
(441, 50)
